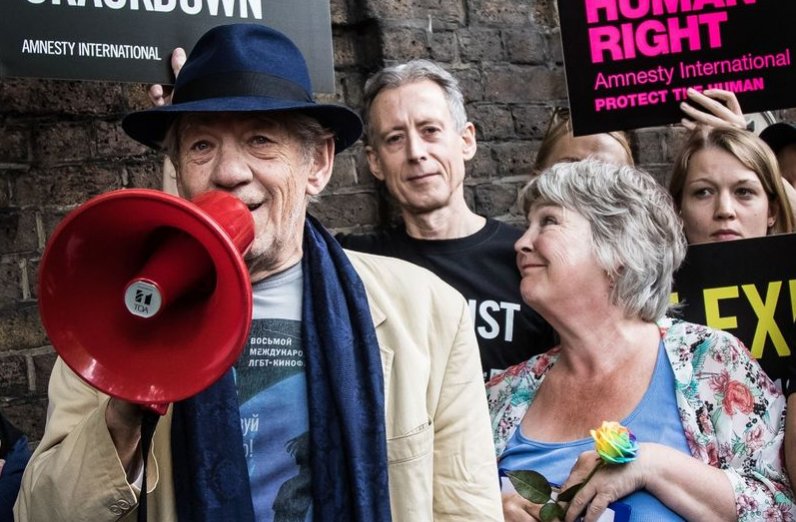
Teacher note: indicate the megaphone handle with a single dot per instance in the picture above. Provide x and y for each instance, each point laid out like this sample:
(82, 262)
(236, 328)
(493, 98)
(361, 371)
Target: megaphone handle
(148, 422)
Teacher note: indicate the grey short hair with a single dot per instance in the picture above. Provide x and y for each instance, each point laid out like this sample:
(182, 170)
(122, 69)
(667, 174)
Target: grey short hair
(637, 235)
(410, 72)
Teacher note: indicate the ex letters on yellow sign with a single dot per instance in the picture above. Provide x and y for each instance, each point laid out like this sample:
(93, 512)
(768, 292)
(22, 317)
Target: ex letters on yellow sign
(747, 288)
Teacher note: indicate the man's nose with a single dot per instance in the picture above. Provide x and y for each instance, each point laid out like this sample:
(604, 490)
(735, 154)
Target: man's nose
(231, 168)
(416, 147)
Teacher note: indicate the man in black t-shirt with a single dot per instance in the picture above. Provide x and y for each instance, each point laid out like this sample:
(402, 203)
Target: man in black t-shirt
(418, 140)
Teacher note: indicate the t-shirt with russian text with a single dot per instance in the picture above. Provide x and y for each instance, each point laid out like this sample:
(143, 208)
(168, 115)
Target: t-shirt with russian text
(272, 390)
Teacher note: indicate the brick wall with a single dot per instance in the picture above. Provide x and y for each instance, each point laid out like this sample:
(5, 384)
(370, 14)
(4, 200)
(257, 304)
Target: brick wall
(61, 143)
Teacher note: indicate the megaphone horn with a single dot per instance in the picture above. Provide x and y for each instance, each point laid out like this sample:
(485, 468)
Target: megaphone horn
(180, 263)
(146, 295)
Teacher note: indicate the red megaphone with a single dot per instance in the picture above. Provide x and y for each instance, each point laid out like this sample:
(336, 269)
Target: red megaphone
(146, 295)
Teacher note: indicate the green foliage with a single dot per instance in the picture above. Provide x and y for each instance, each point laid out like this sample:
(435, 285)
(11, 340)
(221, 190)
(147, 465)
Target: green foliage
(531, 485)
(569, 493)
(551, 512)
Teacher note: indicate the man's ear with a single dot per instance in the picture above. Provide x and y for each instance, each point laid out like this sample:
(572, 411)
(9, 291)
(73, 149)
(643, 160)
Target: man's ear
(468, 141)
(321, 167)
(170, 166)
(170, 184)
(374, 163)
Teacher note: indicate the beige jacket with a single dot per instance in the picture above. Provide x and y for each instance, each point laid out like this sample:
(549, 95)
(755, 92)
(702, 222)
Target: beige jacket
(440, 450)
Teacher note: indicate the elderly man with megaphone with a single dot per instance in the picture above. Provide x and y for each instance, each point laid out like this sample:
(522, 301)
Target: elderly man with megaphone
(358, 395)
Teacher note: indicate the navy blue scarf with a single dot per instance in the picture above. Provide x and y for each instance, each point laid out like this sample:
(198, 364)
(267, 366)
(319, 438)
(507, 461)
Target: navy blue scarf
(14, 449)
(346, 409)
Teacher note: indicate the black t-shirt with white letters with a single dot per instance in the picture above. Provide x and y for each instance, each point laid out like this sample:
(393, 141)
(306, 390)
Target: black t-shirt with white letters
(483, 269)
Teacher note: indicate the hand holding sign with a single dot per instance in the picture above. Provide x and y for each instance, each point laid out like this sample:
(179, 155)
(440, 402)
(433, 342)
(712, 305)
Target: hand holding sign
(159, 97)
(719, 108)
(156, 92)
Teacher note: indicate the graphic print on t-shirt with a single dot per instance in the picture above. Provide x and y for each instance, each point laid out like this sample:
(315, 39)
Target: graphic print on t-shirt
(272, 391)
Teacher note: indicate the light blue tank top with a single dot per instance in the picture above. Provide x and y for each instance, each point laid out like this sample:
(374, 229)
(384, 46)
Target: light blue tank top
(655, 419)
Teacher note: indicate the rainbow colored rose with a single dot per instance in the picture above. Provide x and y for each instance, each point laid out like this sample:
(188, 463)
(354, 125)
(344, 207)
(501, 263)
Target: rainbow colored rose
(614, 443)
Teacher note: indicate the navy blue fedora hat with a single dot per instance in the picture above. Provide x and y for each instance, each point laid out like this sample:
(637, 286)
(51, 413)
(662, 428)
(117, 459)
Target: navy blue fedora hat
(243, 68)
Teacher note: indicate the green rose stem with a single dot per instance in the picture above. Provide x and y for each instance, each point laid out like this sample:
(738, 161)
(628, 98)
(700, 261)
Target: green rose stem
(568, 494)
(532, 486)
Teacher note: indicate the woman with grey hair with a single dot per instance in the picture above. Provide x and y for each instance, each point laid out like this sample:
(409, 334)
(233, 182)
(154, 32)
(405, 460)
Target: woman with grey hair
(597, 260)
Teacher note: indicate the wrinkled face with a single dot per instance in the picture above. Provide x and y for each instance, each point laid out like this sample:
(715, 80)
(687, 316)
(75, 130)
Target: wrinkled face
(723, 200)
(602, 147)
(417, 150)
(258, 161)
(557, 263)
(786, 158)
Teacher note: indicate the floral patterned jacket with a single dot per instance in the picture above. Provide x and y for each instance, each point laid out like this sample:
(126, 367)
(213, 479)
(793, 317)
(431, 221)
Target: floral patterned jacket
(732, 414)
